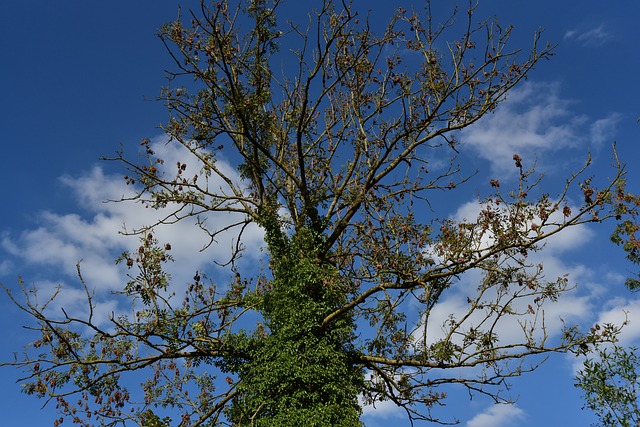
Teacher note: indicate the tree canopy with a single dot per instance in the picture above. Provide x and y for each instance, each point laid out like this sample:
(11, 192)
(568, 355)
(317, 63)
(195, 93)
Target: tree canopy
(338, 130)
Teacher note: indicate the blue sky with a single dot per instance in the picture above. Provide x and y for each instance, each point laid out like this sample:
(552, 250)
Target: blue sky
(79, 80)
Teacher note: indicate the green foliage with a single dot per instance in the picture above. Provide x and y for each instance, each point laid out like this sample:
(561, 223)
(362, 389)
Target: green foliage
(301, 371)
(610, 382)
(149, 419)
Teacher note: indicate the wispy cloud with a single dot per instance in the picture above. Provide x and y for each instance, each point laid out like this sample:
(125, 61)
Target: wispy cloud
(602, 130)
(5, 267)
(535, 122)
(589, 37)
(500, 415)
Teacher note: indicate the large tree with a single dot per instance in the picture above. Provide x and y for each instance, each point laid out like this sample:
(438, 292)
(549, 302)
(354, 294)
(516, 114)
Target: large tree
(337, 130)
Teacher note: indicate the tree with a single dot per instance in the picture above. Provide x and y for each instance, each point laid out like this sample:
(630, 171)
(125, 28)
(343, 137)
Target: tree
(609, 381)
(333, 127)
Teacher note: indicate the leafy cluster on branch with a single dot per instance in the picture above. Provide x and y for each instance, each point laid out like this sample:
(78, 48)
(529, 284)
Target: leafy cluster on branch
(337, 132)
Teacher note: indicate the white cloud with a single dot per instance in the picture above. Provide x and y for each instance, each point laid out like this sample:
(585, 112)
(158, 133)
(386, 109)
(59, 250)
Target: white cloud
(620, 310)
(589, 37)
(379, 409)
(570, 238)
(61, 240)
(382, 410)
(603, 130)
(533, 122)
(574, 306)
(499, 415)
